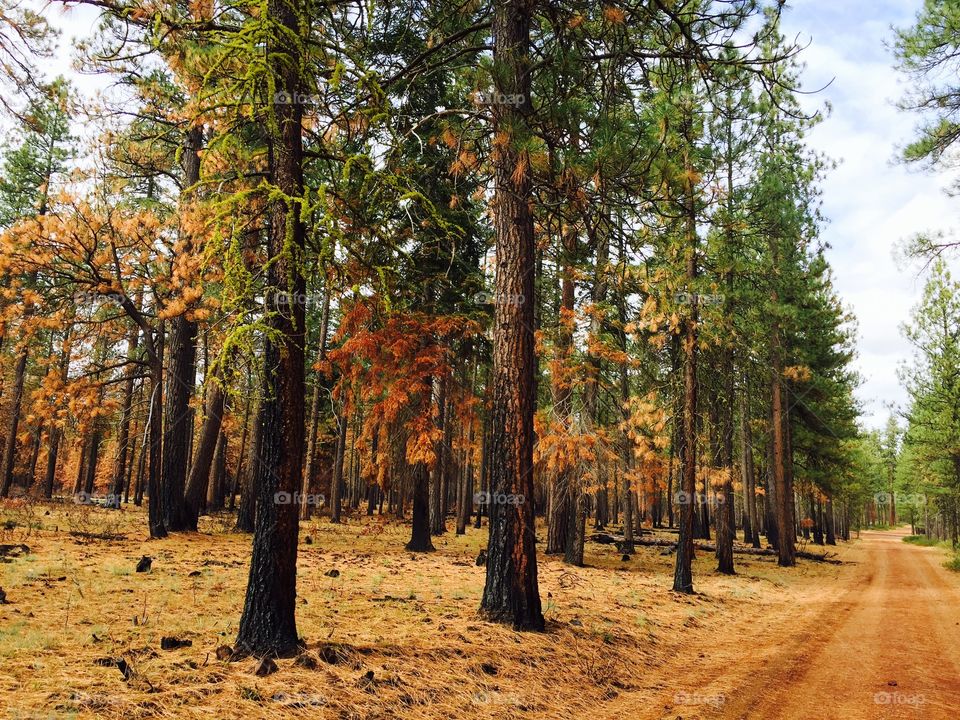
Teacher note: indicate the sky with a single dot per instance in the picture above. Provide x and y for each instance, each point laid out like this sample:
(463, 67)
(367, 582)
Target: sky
(872, 202)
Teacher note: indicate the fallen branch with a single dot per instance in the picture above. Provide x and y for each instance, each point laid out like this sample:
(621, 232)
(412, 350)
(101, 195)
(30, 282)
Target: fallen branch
(605, 538)
(97, 536)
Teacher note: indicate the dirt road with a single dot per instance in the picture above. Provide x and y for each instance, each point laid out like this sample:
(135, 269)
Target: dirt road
(881, 642)
(887, 647)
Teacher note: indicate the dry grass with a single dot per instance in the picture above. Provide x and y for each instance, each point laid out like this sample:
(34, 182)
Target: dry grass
(614, 631)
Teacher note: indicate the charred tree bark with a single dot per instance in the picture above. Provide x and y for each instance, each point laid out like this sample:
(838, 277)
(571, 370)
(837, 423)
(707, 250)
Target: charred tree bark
(420, 527)
(511, 594)
(181, 377)
(268, 623)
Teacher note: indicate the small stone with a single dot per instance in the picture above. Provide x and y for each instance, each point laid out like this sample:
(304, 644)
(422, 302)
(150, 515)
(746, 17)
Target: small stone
(265, 667)
(332, 573)
(306, 660)
(224, 652)
(172, 643)
(332, 654)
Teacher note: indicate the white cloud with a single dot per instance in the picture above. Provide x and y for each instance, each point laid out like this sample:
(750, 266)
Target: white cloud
(873, 203)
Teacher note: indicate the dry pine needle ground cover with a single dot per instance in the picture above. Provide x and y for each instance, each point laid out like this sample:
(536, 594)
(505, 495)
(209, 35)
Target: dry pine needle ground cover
(389, 634)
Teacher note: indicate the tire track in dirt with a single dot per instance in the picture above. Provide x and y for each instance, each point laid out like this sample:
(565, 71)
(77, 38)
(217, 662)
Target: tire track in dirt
(895, 652)
(881, 641)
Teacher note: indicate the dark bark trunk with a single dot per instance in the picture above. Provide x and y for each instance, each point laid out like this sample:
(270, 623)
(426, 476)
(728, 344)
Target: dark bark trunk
(336, 483)
(181, 378)
(627, 455)
(319, 381)
(93, 459)
(831, 533)
(781, 506)
(158, 528)
(218, 476)
(210, 435)
(123, 433)
(178, 421)
(463, 490)
(683, 572)
(81, 464)
(511, 594)
(484, 467)
(438, 525)
(56, 432)
(726, 529)
(420, 527)
(268, 624)
(751, 530)
(561, 486)
(248, 494)
(10, 447)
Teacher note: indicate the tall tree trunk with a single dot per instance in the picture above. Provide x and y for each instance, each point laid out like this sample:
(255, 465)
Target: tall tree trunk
(53, 450)
(158, 528)
(683, 572)
(90, 468)
(10, 447)
(123, 431)
(627, 456)
(484, 467)
(831, 533)
(562, 482)
(268, 624)
(420, 527)
(463, 489)
(306, 507)
(511, 593)
(181, 376)
(781, 506)
(55, 436)
(438, 524)
(336, 484)
(751, 531)
(210, 434)
(726, 529)
(218, 473)
(247, 511)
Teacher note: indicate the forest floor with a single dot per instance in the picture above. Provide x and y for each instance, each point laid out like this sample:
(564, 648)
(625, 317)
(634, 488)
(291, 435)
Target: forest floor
(395, 635)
